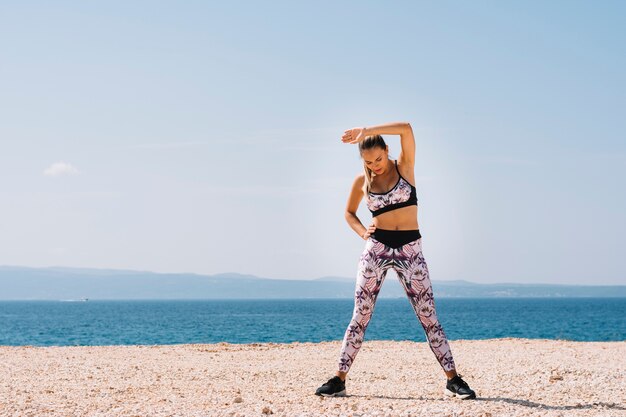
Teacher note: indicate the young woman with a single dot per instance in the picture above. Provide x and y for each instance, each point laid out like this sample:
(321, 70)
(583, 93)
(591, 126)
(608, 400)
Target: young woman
(393, 241)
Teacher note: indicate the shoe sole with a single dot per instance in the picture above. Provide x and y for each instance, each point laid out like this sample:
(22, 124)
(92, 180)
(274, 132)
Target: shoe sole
(337, 394)
(461, 396)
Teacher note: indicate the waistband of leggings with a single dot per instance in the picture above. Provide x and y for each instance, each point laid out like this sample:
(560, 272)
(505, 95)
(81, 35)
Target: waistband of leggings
(396, 238)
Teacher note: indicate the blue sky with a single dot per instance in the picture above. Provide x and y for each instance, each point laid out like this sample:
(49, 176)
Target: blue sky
(205, 137)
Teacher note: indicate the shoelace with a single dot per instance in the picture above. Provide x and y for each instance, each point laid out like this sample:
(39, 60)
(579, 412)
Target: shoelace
(458, 379)
(462, 383)
(333, 380)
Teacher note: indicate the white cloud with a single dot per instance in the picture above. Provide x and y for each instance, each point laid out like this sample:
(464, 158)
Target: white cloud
(60, 168)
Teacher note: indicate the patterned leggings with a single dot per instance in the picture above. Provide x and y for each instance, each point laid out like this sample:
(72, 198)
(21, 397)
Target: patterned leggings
(408, 262)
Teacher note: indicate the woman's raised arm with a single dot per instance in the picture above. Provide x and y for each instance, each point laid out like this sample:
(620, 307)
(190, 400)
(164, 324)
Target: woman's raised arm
(407, 141)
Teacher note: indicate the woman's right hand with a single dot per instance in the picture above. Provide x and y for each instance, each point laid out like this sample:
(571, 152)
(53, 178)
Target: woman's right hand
(354, 135)
(369, 231)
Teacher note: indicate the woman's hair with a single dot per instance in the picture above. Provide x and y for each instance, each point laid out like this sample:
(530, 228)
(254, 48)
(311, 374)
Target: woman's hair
(370, 142)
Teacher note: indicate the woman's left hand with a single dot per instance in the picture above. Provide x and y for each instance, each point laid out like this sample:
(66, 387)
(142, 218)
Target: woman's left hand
(354, 135)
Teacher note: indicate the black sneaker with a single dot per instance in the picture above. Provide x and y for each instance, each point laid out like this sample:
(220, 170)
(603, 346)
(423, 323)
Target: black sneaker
(459, 388)
(335, 387)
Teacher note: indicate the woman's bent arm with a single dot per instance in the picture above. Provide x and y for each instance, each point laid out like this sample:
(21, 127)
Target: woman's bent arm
(356, 195)
(355, 224)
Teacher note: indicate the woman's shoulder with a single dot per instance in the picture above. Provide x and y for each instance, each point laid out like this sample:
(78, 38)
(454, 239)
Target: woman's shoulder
(359, 181)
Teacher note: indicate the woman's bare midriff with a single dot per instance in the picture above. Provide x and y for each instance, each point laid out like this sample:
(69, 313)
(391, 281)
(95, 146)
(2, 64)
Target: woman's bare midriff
(404, 218)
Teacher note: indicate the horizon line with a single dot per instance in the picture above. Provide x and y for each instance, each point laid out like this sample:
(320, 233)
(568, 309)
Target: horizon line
(285, 279)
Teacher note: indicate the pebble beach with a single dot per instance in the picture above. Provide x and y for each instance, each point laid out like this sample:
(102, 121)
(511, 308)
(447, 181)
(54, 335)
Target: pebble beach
(516, 377)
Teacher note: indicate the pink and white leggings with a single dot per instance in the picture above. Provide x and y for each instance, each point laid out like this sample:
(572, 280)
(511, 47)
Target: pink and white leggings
(408, 262)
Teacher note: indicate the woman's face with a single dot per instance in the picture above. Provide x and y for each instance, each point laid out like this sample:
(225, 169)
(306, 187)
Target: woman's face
(375, 159)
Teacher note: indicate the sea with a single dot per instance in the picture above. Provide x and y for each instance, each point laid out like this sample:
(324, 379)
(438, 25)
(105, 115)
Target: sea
(164, 322)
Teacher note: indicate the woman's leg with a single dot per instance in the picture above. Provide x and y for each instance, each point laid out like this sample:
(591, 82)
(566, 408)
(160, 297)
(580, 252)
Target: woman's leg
(413, 274)
(373, 265)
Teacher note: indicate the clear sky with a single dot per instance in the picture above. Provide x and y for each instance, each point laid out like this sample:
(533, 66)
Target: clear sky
(205, 136)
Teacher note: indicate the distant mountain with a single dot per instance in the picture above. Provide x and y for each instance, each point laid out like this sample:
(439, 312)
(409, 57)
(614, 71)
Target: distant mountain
(59, 283)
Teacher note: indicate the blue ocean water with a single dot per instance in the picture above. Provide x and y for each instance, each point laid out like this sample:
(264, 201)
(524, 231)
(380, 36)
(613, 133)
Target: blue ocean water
(55, 323)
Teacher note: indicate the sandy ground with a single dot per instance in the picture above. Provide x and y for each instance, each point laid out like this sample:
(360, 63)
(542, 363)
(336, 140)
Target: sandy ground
(519, 377)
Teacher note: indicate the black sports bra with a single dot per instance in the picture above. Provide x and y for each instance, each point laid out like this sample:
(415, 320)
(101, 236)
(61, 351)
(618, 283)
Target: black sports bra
(403, 194)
